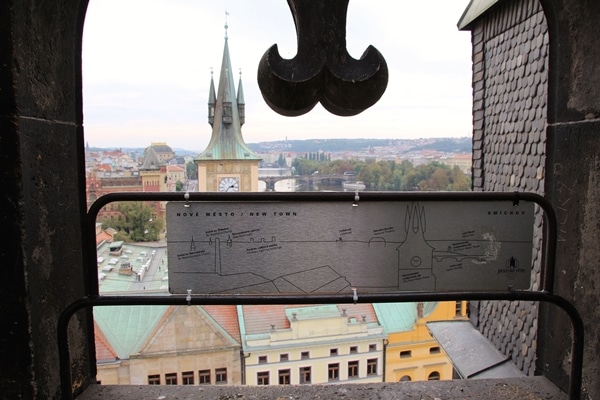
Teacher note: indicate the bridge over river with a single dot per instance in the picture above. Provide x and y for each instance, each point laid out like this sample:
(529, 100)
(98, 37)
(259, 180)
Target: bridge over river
(308, 180)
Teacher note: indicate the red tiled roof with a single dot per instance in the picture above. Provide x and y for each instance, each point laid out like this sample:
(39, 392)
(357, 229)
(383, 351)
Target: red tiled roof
(104, 352)
(227, 317)
(103, 236)
(259, 318)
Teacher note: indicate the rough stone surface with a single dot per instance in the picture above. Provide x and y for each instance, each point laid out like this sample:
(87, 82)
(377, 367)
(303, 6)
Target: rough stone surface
(523, 389)
(41, 140)
(576, 195)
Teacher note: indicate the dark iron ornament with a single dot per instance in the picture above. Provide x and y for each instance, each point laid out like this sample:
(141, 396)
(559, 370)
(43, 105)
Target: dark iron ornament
(322, 70)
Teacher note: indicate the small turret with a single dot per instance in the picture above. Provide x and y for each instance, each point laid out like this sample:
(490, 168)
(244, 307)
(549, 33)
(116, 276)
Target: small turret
(212, 100)
(241, 102)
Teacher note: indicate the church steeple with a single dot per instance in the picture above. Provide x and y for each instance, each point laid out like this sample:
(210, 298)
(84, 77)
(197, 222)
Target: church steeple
(226, 114)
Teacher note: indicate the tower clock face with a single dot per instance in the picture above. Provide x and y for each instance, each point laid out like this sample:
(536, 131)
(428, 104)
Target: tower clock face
(229, 185)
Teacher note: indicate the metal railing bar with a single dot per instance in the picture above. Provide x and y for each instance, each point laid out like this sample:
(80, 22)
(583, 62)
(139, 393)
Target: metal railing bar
(544, 294)
(550, 227)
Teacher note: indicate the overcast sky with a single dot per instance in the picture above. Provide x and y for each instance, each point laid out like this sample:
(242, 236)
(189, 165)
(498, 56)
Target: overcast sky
(147, 63)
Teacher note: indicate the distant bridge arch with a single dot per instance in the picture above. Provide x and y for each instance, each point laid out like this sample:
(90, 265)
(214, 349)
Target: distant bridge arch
(308, 180)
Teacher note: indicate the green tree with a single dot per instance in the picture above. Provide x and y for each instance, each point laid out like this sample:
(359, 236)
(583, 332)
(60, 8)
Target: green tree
(305, 167)
(370, 174)
(191, 170)
(439, 180)
(136, 223)
(388, 175)
(460, 181)
(399, 175)
(178, 186)
(281, 160)
(340, 166)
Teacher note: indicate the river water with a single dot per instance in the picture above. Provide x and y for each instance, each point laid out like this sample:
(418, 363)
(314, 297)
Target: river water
(290, 185)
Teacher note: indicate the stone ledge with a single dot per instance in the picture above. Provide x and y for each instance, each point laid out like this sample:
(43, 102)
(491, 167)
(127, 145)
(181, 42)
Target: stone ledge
(535, 388)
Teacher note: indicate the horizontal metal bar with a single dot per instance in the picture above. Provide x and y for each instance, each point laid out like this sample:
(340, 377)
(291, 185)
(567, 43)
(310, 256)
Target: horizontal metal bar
(551, 230)
(317, 196)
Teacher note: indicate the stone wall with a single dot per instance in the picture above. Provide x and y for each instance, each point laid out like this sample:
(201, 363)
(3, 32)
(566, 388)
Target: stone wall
(43, 196)
(510, 81)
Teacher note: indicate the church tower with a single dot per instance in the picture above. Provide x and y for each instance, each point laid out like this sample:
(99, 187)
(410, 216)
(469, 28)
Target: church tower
(227, 164)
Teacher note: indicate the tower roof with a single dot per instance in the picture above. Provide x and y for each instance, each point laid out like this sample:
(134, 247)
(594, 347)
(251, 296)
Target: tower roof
(226, 142)
(240, 93)
(151, 160)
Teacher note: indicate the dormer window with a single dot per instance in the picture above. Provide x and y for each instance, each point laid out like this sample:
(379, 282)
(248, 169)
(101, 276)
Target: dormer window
(227, 113)
(211, 113)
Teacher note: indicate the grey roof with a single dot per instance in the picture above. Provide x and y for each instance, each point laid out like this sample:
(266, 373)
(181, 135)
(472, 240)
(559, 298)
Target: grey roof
(240, 93)
(151, 160)
(160, 148)
(474, 10)
(212, 97)
(226, 142)
(472, 355)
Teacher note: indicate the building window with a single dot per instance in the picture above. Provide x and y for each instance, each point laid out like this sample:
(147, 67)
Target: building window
(333, 352)
(353, 349)
(434, 376)
(405, 378)
(153, 379)
(406, 354)
(283, 357)
(304, 374)
(434, 350)
(262, 378)
(204, 377)
(221, 375)
(372, 366)
(333, 372)
(304, 355)
(352, 369)
(187, 378)
(262, 359)
(171, 379)
(458, 309)
(372, 347)
(284, 376)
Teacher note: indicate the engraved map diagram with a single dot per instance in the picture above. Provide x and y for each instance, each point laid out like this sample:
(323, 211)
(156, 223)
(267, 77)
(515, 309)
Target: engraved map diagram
(332, 247)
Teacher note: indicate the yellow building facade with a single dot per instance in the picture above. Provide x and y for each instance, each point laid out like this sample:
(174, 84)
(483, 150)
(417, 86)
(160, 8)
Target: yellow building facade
(324, 344)
(411, 352)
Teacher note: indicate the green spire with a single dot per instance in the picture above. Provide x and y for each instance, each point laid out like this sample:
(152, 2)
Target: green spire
(226, 141)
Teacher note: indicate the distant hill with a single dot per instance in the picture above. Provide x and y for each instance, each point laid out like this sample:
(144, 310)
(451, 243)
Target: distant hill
(451, 145)
(140, 150)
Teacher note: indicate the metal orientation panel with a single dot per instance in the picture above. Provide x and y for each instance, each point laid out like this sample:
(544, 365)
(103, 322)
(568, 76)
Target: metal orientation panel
(334, 247)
